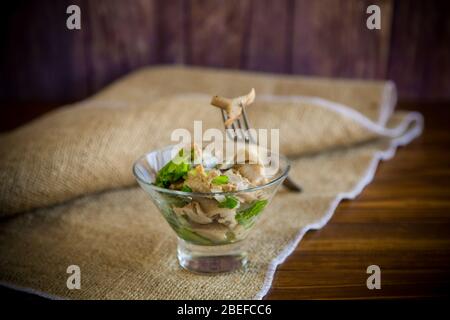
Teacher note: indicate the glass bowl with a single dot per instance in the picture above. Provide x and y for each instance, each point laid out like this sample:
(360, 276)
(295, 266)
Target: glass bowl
(208, 246)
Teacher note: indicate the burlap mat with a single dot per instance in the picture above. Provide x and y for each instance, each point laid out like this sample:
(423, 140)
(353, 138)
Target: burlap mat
(68, 195)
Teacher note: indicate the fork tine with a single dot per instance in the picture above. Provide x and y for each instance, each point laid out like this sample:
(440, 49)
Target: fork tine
(248, 137)
(224, 117)
(247, 126)
(227, 130)
(235, 130)
(241, 131)
(243, 128)
(246, 134)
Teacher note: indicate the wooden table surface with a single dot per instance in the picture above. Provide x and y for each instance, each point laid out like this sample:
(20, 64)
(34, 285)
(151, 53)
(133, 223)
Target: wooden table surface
(400, 222)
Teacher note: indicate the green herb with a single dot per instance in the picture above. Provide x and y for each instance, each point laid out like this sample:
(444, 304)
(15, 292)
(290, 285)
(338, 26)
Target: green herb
(220, 180)
(230, 202)
(246, 217)
(193, 237)
(173, 171)
(178, 223)
(186, 188)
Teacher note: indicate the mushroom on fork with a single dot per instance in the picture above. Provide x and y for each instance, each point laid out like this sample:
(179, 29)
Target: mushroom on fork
(231, 111)
(233, 107)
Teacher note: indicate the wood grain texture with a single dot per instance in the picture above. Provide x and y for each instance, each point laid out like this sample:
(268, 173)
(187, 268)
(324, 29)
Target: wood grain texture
(330, 38)
(173, 31)
(116, 38)
(34, 63)
(401, 222)
(217, 32)
(43, 61)
(269, 44)
(46, 61)
(420, 52)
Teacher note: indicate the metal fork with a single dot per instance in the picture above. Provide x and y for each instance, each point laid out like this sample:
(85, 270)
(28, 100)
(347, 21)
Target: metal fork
(239, 134)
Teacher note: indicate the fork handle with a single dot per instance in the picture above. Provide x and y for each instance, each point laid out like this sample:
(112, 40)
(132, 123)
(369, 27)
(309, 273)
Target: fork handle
(291, 185)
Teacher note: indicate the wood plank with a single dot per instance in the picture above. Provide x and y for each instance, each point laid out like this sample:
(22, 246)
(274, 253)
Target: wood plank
(173, 31)
(420, 53)
(217, 32)
(117, 38)
(405, 291)
(330, 38)
(35, 53)
(402, 229)
(43, 61)
(269, 45)
(48, 62)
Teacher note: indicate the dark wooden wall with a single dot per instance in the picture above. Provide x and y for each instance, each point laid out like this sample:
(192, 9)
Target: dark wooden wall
(43, 61)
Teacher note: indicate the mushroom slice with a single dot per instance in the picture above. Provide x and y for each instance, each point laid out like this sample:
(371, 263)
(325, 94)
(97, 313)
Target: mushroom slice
(214, 232)
(233, 107)
(224, 216)
(194, 213)
(235, 178)
(255, 173)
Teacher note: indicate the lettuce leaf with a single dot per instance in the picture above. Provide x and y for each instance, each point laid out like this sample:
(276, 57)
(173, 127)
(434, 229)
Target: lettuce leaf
(220, 180)
(173, 171)
(191, 236)
(186, 189)
(230, 202)
(246, 217)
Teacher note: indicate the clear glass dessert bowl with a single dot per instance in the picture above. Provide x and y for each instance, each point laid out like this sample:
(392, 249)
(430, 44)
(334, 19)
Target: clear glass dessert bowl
(211, 226)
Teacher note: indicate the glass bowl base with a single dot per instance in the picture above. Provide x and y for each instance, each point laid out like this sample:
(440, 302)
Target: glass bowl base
(211, 259)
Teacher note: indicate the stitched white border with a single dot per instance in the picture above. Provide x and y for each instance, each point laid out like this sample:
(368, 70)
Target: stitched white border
(388, 102)
(409, 128)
